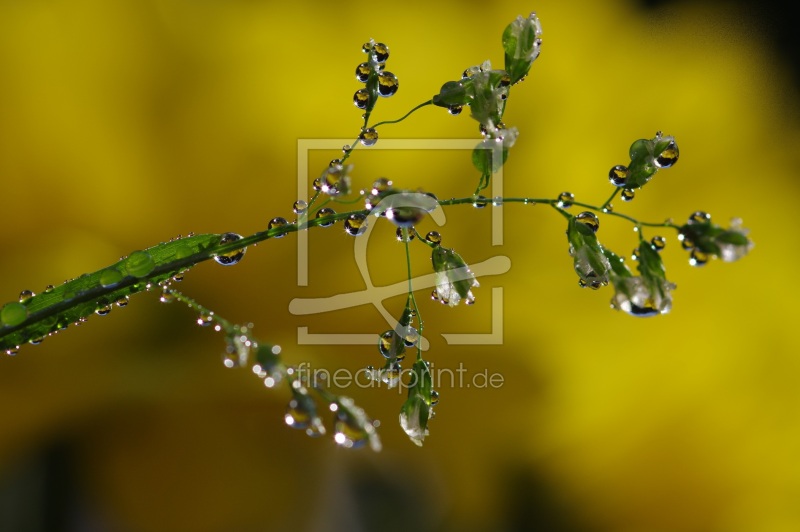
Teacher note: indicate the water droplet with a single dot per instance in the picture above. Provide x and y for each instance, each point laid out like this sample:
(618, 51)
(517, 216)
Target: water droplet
(167, 296)
(123, 301)
(658, 243)
(103, 308)
(322, 213)
(565, 200)
(589, 219)
(391, 375)
(609, 208)
(434, 295)
(699, 217)
(361, 99)
(686, 243)
(232, 257)
(49, 288)
(110, 277)
(387, 84)
(627, 195)
(300, 207)
(349, 430)
(369, 137)
(433, 237)
(275, 223)
(479, 202)
(497, 201)
(411, 336)
(455, 110)
(356, 224)
(401, 238)
(13, 314)
(367, 46)
(434, 398)
(298, 414)
(698, 258)
(139, 264)
(335, 162)
(505, 81)
(346, 148)
(381, 185)
(380, 52)
(391, 345)
(12, 351)
(362, 72)
(317, 184)
(178, 277)
(36, 341)
(205, 319)
(669, 156)
(618, 175)
(26, 296)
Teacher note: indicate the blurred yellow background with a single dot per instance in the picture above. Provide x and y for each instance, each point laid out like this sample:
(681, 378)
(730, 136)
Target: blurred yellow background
(126, 123)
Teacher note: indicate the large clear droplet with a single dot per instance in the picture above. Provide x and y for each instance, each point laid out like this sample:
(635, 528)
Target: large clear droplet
(565, 200)
(589, 219)
(698, 258)
(232, 257)
(103, 308)
(110, 277)
(387, 84)
(322, 213)
(658, 243)
(362, 72)
(13, 314)
(401, 237)
(139, 264)
(300, 207)
(618, 175)
(380, 52)
(361, 98)
(369, 137)
(391, 345)
(277, 222)
(669, 156)
(433, 237)
(699, 217)
(25, 296)
(356, 224)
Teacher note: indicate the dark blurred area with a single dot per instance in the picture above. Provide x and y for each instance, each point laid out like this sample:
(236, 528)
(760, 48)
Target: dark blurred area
(772, 19)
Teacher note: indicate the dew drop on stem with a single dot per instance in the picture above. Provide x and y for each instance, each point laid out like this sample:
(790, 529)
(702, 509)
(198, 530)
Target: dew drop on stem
(565, 200)
(277, 222)
(324, 212)
(232, 257)
(369, 137)
(356, 224)
(300, 207)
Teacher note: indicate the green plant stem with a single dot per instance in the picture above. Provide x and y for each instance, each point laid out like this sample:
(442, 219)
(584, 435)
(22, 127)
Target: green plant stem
(420, 106)
(608, 201)
(53, 308)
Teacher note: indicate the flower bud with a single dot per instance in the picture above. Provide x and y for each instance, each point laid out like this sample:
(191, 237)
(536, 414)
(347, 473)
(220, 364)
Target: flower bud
(454, 279)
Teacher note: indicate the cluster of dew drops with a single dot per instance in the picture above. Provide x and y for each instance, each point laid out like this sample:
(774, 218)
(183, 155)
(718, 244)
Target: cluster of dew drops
(387, 83)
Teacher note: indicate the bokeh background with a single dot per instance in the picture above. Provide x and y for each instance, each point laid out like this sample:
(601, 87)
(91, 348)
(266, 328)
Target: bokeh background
(124, 123)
